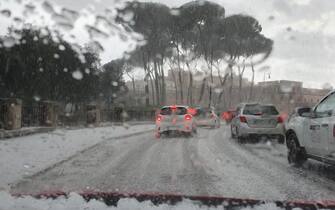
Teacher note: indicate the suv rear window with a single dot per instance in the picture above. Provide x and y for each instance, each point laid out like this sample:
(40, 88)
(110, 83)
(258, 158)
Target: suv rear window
(168, 111)
(256, 109)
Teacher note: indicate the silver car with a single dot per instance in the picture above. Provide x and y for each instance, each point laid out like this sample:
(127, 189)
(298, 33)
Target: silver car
(254, 121)
(207, 118)
(175, 120)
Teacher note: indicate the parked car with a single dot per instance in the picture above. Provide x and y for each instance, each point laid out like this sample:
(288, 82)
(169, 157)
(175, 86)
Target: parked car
(207, 118)
(310, 132)
(175, 120)
(255, 121)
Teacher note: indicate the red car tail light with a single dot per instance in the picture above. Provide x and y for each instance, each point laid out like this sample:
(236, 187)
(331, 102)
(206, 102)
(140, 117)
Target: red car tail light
(188, 117)
(280, 119)
(159, 118)
(243, 119)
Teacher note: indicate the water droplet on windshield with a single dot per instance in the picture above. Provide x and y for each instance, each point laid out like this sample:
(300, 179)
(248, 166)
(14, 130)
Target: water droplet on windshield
(6, 12)
(26, 166)
(41, 69)
(77, 75)
(175, 12)
(37, 98)
(115, 84)
(8, 41)
(65, 70)
(61, 47)
(56, 56)
(87, 71)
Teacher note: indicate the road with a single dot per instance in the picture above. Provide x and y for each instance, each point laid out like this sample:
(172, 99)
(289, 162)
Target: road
(210, 163)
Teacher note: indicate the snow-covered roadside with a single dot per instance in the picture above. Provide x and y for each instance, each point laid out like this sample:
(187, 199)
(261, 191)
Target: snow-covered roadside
(24, 156)
(75, 201)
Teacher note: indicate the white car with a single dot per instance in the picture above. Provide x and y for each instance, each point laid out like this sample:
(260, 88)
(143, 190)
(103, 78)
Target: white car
(310, 132)
(175, 119)
(207, 118)
(254, 121)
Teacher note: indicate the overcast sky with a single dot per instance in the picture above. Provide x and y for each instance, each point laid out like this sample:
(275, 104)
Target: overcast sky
(304, 53)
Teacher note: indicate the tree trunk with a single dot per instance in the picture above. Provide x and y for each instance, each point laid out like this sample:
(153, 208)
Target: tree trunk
(163, 87)
(202, 90)
(231, 87)
(190, 86)
(180, 76)
(152, 90)
(156, 83)
(240, 80)
(252, 82)
(175, 85)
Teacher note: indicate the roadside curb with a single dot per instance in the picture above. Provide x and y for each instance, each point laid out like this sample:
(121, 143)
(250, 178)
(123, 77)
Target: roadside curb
(25, 178)
(6, 135)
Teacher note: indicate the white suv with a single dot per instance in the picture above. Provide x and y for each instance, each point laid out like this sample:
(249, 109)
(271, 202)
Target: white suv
(310, 132)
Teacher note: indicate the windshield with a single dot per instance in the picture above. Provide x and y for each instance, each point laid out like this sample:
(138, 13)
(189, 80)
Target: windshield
(260, 110)
(181, 97)
(174, 110)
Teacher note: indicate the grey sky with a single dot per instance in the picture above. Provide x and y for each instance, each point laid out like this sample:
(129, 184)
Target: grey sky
(305, 53)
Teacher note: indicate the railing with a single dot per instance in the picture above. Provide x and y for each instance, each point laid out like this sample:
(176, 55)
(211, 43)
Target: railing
(3, 111)
(127, 115)
(32, 115)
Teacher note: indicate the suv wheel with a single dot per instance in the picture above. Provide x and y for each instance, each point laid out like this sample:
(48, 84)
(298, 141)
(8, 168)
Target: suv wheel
(296, 154)
(233, 136)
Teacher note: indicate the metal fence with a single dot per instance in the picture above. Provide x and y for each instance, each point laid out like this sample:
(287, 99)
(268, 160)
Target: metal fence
(35, 115)
(32, 115)
(3, 111)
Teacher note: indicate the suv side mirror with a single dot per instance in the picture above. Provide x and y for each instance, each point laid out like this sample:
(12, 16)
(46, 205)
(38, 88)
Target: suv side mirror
(304, 112)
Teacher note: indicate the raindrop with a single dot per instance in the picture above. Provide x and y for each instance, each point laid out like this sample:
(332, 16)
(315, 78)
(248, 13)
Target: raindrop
(26, 166)
(40, 59)
(198, 76)
(65, 70)
(56, 56)
(218, 90)
(82, 58)
(271, 17)
(35, 38)
(60, 18)
(45, 41)
(289, 29)
(96, 33)
(115, 84)
(23, 41)
(48, 7)
(65, 26)
(61, 47)
(114, 95)
(41, 69)
(77, 75)
(8, 41)
(70, 14)
(37, 98)
(126, 125)
(87, 71)
(175, 12)
(128, 16)
(6, 12)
